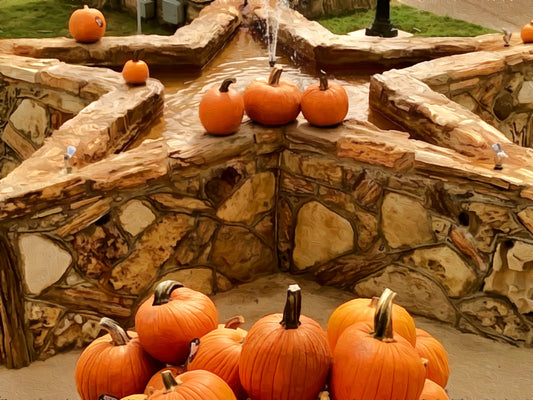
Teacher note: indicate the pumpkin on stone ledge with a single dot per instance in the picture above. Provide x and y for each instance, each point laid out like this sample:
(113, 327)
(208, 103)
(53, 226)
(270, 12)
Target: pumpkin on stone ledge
(87, 25)
(135, 71)
(324, 103)
(221, 109)
(272, 102)
(527, 32)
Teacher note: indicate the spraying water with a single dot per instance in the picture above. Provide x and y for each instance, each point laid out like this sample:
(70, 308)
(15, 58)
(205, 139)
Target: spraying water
(273, 15)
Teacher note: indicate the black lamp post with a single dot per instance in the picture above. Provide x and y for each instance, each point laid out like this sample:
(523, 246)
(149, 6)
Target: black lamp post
(382, 26)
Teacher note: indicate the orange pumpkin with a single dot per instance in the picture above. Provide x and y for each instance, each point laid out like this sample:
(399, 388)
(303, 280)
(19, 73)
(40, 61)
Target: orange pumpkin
(433, 391)
(156, 381)
(193, 385)
(324, 103)
(171, 318)
(363, 310)
(219, 352)
(87, 25)
(272, 102)
(135, 71)
(431, 349)
(527, 32)
(221, 109)
(114, 364)
(285, 356)
(370, 363)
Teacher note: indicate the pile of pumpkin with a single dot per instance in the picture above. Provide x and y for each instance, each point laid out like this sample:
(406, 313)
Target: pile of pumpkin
(272, 102)
(371, 350)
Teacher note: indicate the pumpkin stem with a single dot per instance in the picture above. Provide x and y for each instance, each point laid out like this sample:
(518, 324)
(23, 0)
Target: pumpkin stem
(383, 317)
(137, 55)
(163, 290)
(193, 349)
(293, 308)
(118, 335)
(323, 80)
(168, 380)
(235, 322)
(275, 74)
(225, 85)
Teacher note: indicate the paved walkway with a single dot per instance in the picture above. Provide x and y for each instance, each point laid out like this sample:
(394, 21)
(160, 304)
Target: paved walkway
(494, 14)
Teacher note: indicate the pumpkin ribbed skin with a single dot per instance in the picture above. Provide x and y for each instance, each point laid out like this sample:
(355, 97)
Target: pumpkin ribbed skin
(324, 103)
(363, 310)
(526, 33)
(196, 385)
(135, 72)
(219, 352)
(431, 349)
(433, 391)
(272, 102)
(282, 362)
(372, 364)
(108, 366)
(87, 25)
(168, 320)
(221, 109)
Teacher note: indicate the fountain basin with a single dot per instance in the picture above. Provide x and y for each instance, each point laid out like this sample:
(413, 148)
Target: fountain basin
(419, 209)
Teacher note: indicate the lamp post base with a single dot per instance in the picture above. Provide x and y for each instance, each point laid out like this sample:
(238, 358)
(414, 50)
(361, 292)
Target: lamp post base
(382, 29)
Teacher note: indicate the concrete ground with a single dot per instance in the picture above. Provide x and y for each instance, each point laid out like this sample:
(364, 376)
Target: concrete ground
(481, 369)
(494, 14)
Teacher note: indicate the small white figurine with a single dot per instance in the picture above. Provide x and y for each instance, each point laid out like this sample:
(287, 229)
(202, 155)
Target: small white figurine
(67, 156)
(500, 156)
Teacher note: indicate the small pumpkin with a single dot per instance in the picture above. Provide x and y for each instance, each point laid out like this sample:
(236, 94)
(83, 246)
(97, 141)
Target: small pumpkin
(221, 109)
(193, 385)
(527, 32)
(371, 363)
(87, 25)
(431, 349)
(114, 364)
(168, 320)
(219, 352)
(363, 310)
(324, 103)
(272, 102)
(135, 71)
(433, 391)
(285, 356)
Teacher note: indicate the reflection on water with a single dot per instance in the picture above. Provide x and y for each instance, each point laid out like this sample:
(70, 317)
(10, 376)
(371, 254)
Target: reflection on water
(245, 59)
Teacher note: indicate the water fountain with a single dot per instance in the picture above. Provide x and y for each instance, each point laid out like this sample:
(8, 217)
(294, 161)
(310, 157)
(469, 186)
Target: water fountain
(355, 206)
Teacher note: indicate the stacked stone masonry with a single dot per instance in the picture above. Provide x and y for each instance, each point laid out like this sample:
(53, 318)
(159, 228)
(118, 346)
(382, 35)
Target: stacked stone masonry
(355, 206)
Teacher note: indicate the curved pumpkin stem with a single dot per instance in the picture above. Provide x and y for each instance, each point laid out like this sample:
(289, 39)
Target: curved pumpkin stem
(383, 317)
(169, 381)
(225, 85)
(163, 290)
(323, 80)
(293, 308)
(118, 335)
(235, 322)
(275, 74)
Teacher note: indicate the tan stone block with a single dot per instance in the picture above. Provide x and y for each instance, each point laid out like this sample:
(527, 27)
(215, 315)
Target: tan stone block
(405, 221)
(526, 217)
(31, 118)
(15, 141)
(464, 85)
(446, 266)
(292, 184)
(320, 235)
(136, 216)
(416, 292)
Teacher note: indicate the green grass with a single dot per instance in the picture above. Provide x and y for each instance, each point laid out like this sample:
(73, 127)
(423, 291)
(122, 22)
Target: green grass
(405, 18)
(49, 18)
